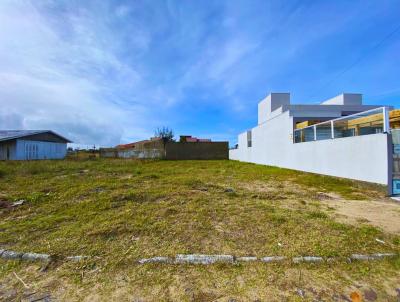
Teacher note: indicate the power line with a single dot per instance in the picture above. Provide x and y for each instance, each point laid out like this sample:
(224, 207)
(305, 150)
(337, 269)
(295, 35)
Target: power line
(362, 57)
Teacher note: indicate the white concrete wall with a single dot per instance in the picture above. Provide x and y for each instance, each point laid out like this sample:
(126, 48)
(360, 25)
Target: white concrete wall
(362, 157)
(345, 99)
(263, 110)
(271, 103)
(357, 157)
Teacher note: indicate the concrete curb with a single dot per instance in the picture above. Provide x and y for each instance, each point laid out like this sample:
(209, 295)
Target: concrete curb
(13, 255)
(156, 260)
(377, 256)
(211, 259)
(77, 258)
(271, 259)
(307, 259)
(35, 257)
(204, 259)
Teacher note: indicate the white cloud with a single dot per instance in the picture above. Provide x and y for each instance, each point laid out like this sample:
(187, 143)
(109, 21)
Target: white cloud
(51, 79)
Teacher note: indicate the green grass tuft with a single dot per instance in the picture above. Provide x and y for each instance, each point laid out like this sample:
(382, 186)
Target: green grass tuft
(317, 215)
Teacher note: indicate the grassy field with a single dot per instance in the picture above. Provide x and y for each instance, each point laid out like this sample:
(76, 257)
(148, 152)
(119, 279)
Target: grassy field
(119, 211)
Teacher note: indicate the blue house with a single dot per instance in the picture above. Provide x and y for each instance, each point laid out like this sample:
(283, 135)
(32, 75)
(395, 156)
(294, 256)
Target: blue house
(32, 145)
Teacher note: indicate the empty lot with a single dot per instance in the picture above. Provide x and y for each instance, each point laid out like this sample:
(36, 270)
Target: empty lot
(119, 211)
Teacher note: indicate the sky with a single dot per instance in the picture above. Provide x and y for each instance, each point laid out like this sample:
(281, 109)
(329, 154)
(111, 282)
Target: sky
(109, 72)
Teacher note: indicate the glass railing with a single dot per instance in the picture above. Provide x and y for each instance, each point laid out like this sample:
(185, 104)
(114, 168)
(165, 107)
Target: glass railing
(367, 122)
(304, 135)
(323, 131)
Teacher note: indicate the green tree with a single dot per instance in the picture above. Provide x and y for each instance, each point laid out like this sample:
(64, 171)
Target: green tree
(166, 134)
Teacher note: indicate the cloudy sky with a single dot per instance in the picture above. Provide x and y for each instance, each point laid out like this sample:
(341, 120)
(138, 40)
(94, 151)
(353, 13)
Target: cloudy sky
(109, 72)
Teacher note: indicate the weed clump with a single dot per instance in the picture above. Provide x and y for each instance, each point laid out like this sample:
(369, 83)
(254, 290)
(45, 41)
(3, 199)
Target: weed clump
(317, 215)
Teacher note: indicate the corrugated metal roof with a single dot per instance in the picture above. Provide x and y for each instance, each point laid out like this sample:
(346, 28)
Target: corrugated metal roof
(6, 135)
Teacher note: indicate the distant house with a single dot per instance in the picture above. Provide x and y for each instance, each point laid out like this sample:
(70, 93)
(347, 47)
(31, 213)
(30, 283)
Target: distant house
(32, 144)
(153, 142)
(188, 147)
(191, 139)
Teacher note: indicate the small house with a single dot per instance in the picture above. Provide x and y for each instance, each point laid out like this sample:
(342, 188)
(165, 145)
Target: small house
(32, 145)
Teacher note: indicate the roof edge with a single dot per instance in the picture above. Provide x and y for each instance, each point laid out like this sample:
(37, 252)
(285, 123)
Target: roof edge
(34, 132)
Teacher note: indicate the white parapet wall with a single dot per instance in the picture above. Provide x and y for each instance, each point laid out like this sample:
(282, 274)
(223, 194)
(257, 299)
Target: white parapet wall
(359, 157)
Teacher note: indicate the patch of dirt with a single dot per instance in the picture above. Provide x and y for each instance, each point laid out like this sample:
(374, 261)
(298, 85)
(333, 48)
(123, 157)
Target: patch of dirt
(4, 204)
(274, 190)
(327, 196)
(382, 214)
(260, 186)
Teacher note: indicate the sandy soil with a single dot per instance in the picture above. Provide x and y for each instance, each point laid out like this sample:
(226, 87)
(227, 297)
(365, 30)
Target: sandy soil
(383, 214)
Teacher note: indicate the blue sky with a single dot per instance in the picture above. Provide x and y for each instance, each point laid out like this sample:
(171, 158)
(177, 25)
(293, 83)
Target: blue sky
(109, 72)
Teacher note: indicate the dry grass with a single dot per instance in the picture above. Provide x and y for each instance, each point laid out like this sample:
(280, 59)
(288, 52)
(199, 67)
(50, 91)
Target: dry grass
(120, 210)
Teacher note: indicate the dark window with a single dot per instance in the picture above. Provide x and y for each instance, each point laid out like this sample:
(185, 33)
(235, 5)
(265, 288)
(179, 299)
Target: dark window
(249, 140)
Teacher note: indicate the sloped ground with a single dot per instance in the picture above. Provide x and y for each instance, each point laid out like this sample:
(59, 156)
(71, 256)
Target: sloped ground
(119, 211)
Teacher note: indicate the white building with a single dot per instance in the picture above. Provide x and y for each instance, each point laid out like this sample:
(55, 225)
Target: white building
(339, 137)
